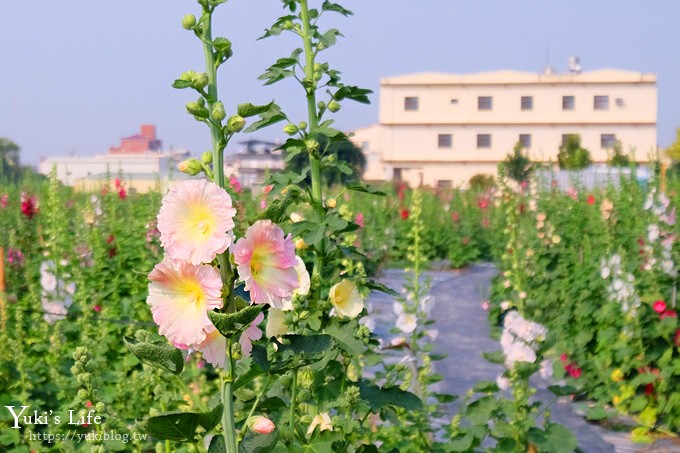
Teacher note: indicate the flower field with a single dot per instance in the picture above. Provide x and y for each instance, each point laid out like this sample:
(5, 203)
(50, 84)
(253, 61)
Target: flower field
(214, 317)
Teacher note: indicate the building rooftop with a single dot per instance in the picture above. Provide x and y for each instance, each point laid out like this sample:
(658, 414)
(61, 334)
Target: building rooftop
(506, 77)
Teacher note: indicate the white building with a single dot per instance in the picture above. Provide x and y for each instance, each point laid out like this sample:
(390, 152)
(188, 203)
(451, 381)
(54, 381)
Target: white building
(441, 129)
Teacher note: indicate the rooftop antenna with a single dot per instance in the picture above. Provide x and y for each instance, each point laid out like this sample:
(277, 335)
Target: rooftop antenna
(574, 65)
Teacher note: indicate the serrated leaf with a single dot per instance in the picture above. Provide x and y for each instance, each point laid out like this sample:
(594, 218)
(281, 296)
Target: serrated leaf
(293, 351)
(247, 110)
(377, 286)
(596, 413)
(232, 324)
(481, 410)
(159, 355)
(354, 93)
(328, 6)
(561, 438)
(179, 426)
(379, 397)
(344, 336)
(264, 122)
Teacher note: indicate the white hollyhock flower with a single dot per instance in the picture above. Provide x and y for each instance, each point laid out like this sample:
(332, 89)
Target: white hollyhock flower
(407, 322)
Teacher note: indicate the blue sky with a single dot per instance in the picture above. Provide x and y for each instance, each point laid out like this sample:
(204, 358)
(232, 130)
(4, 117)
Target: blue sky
(78, 75)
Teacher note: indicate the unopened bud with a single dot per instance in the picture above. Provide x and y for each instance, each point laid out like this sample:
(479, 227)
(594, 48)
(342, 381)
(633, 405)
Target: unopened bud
(321, 105)
(200, 80)
(262, 425)
(190, 167)
(236, 352)
(331, 203)
(207, 157)
(189, 22)
(333, 106)
(311, 145)
(187, 76)
(82, 394)
(300, 244)
(291, 129)
(218, 113)
(236, 123)
(332, 158)
(196, 109)
(302, 125)
(287, 25)
(100, 407)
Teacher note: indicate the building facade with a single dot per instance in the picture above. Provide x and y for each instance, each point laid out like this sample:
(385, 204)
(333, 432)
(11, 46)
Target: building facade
(441, 129)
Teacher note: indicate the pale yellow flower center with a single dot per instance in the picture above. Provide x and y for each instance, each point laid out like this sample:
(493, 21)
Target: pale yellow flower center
(193, 292)
(200, 222)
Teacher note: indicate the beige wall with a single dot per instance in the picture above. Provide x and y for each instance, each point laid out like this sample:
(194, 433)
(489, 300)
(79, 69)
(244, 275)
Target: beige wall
(448, 104)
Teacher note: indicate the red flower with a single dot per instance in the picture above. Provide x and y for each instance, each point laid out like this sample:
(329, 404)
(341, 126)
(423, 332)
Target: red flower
(649, 389)
(29, 206)
(404, 214)
(669, 314)
(641, 242)
(110, 239)
(676, 339)
(564, 358)
(401, 192)
(574, 371)
(268, 188)
(659, 306)
(122, 193)
(88, 403)
(455, 217)
(591, 199)
(97, 308)
(483, 203)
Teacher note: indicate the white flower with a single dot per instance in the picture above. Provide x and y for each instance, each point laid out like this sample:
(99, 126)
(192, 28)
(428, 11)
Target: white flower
(303, 278)
(505, 305)
(346, 299)
(652, 233)
(426, 304)
(407, 322)
(519, 352)
(323, 421)
(276, 323)
(48, 280)
(432, 333)
(503, 383)
(546, 370)
(604, 273)
(649, 202)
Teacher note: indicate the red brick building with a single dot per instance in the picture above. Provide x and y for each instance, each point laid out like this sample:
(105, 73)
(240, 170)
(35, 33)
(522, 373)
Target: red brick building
(140, 143)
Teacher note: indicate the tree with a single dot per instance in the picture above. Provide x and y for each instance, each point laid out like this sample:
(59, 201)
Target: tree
(9, 159)
(572, 155)
(618, 159)
(518, 166)
(344, 151)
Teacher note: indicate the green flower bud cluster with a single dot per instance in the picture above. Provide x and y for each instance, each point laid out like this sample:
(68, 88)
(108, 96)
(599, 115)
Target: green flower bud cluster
(236, 352)
(291, 129)
(207, 157)
(218, 113)
(191, 166)
(141, 335)
(312, 145)
(364, 334)
(306, 378)
(198, 109)
(334, 106)
(235, 123)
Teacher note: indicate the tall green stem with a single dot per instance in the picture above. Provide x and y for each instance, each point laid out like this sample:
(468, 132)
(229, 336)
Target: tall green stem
(291, 414)
(211, 70)
(228, 427)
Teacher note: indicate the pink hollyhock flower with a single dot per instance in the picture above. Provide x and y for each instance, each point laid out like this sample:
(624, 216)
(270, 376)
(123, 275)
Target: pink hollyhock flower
(266, 263)
(194, 221)
(14, 256)
(253, 332)
(455, 216)
(659, 306)
(360, 220)
(116, 182)
(29, 205)
(483, 203)
(97, 308)
(262, 425)
(649, 389)
(573, 370)
(122, 194)
(573, 193)
(180, 295)
(669, 314)
(268, 188)
(564, 357)
(213, 347)
(4, 201)
(263, 204)
(235, 184)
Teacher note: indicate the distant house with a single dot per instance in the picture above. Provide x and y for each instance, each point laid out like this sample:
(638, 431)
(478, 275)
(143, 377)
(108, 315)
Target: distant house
(441, 129)
(252, 163)
(139, 160)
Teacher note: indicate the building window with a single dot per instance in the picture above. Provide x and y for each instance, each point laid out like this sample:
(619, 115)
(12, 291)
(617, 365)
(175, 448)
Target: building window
(445, 140)
(607, 140)
(411, 103)
(568, 103)
(620, 102)
(601, 102)
(483, 140)
(454, 101)
(525, 140)
(527, 102)
(444, 184)
(484, 103)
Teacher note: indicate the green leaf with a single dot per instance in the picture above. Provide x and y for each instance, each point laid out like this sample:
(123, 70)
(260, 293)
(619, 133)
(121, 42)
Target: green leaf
(322, 442)
(258, 443)
(294, 351)
(378, 397)
(328, 6)
(485, 387)
(330, 38)
(217, 445)
(179, 426)
(314, 235)
(461, 443)
(354, 93)
(265, 122)
(156, 354)
(208, 420)
(506, 445)
(376, 286)
(359, 187)
(596, 413)
(480, 411)
(180, 84)
(638, 403)
(561, 438)
(232, 324)
(494, 357)
(344, 168)
(343, 333)
(246, 110)
(562, 390)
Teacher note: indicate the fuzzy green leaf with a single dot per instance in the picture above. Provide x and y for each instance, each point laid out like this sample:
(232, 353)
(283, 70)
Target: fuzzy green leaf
(258, 443)
(379, 397)
(246, 110)
(232, 324)
(179, 426)
(157, 354)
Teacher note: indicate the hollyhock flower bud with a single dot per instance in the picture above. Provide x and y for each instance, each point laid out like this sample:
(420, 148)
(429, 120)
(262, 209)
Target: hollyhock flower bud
(197, 110)
(360, 220)
(200, 80)
(236, 123)
(291, 129)
(334, 106)
(262, 425)
(331, 203)
(300, 244)
(189, 22)
(4, 200)
(207, 157)
(311, 145)
(190, 166)
(218, 114)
